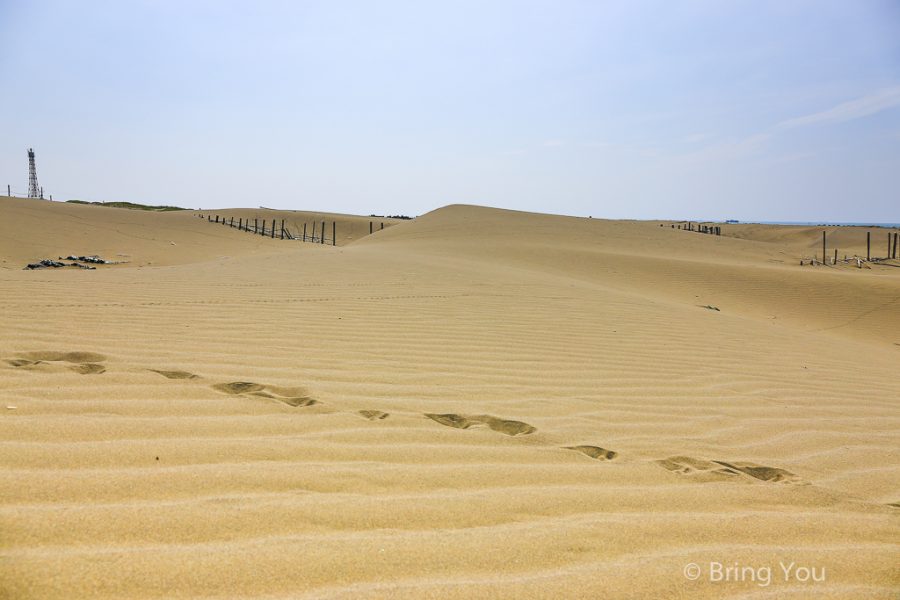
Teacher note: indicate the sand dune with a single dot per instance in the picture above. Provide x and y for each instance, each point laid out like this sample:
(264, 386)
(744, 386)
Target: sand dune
(476, 403)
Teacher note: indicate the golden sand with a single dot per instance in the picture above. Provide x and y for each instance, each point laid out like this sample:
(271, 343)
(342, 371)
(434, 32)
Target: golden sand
(474, 404)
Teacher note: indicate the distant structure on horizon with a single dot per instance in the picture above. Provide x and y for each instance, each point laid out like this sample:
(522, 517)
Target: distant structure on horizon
(34, 190)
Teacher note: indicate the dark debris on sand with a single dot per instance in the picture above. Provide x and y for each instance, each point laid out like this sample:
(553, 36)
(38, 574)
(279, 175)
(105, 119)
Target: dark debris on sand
(53, 264)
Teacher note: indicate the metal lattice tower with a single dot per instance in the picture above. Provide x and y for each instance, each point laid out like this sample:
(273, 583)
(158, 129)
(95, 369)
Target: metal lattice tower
(34, 191)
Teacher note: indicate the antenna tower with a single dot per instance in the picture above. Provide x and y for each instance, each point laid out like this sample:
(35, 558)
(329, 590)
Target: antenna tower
(34, 190)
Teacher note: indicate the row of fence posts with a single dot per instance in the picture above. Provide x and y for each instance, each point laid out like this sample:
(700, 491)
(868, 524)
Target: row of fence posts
(259, 227)
(321, 237)
(891, 245)
(893, 241)
(700, 228)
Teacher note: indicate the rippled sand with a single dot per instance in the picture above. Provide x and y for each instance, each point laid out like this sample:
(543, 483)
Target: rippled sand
(477, 403)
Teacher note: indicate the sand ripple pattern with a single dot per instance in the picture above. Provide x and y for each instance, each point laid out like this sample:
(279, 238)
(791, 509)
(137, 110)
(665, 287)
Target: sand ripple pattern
(489, 405)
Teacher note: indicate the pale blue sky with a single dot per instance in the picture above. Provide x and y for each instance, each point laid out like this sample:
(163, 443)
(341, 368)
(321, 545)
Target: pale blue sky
(781, 110)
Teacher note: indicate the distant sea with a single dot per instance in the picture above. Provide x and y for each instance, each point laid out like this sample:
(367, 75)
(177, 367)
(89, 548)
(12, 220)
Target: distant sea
(825, 223)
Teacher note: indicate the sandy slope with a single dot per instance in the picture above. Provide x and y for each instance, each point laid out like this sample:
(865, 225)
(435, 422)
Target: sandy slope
(32, 230)
(154, 474)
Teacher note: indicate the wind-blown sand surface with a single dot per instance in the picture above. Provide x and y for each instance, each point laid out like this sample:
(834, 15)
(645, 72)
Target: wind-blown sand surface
(477, 403)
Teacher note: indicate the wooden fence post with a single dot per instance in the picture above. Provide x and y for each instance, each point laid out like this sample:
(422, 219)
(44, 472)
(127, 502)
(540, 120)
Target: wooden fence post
(834, 262)
(888, 255)
(334, 233)
(304, 232)
(382, 225)
(868, 245)
(322, 239)
(370, 227)
(824, 259)
(273, 229)
(282, 229)
(255, 225)
(896, 235)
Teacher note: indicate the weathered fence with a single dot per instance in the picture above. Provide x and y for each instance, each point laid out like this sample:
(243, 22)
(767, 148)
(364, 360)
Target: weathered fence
(314, 232)
(893, 240)
(698, 227)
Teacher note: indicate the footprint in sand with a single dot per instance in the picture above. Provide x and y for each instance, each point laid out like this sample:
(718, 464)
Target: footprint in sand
(239, 387)
(718, 469)
(88, 369)
(21, 362)
(763, 473)
(685, 465)
(85, 363)
(374, 415)
(466, 421)
(595, 452)
(291, 396)
(175, 374)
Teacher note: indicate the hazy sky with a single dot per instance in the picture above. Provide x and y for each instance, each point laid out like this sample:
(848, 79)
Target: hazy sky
(781, 110)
